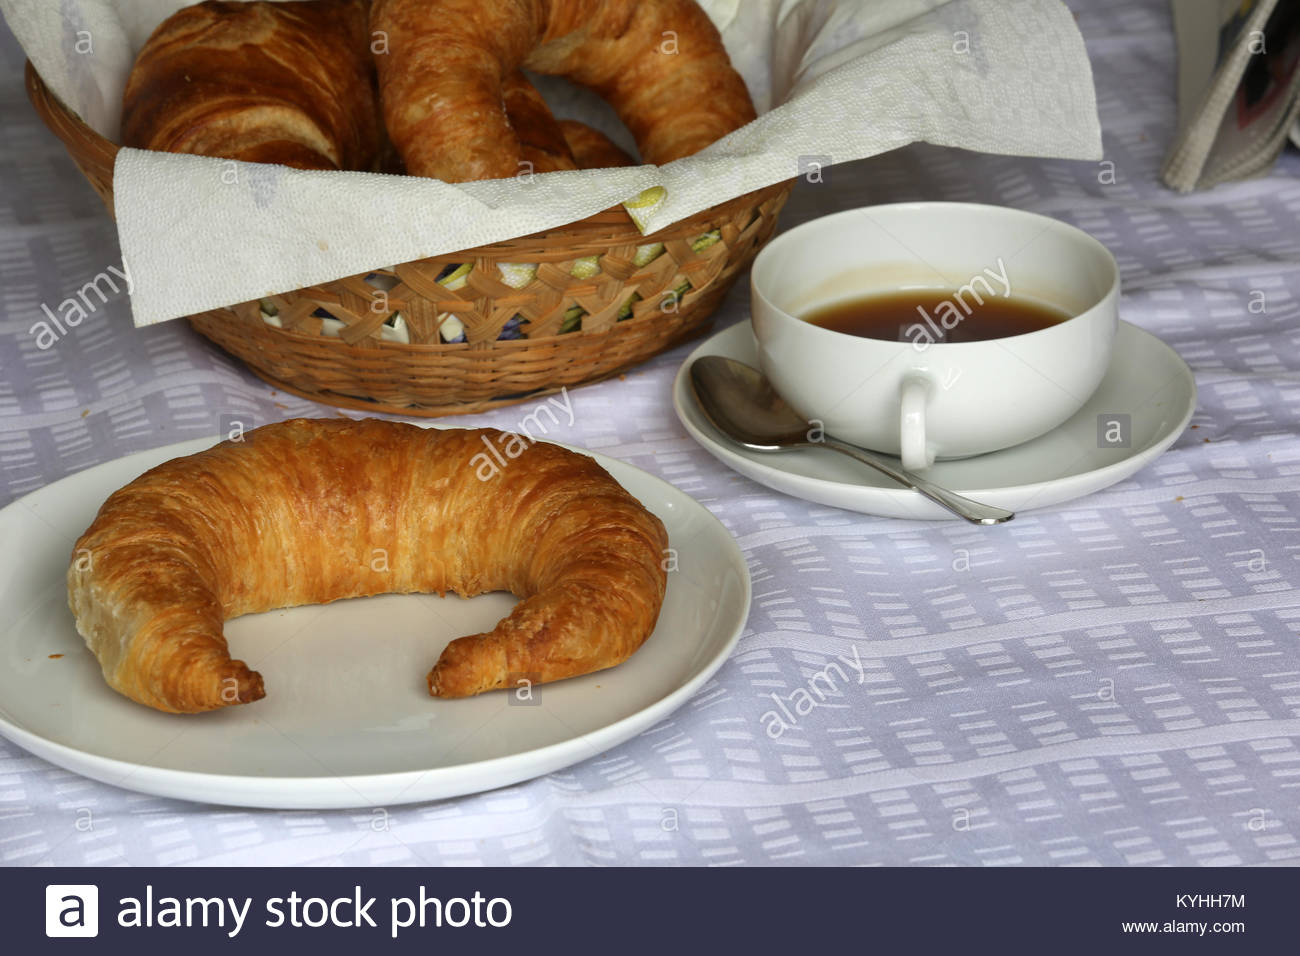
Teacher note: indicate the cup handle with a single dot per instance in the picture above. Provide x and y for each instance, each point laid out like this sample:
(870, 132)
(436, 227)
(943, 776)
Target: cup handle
(915, 452)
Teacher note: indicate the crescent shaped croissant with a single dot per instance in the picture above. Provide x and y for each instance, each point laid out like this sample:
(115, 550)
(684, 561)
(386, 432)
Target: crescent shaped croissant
(289, 83)
(450, 67)
(294, 512)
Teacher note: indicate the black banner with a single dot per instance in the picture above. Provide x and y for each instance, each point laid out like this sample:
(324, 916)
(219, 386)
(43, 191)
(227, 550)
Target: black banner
(653, 911)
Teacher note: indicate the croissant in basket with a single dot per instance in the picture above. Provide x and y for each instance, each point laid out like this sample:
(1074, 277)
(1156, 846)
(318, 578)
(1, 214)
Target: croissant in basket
(659, 63)
(295, 84)
(295, 512)
(289, 83)
(548, 144)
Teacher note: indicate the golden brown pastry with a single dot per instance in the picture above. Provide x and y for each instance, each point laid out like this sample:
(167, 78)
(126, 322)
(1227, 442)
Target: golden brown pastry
(547, 144)
(289, 83)
(300, 512)
(541, 140)
(591, 148)
(659, 63)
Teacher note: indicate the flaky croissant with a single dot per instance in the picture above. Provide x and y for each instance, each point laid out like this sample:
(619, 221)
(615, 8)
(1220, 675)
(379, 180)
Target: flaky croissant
(290, 83)
(547, 144)
(296, 512)
(542, 143)
(591, 148)
(659, 63)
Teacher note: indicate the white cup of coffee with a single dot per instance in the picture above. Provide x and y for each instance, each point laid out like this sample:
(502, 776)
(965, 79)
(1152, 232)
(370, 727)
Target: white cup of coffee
(1017, 318)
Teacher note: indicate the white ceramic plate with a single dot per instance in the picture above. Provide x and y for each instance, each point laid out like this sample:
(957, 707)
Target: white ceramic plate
(1146, 381)
(347, 720)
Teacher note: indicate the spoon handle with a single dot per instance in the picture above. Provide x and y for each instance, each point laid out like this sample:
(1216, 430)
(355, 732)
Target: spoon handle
(972, 511)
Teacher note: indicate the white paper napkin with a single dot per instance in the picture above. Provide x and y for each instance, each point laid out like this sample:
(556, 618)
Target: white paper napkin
(834, 80)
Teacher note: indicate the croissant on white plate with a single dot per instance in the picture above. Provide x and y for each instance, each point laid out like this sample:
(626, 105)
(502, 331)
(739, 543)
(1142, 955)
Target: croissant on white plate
(294, 512)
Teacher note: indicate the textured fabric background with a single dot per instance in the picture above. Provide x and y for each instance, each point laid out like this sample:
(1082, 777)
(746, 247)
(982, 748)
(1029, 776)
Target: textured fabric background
(1113, 681)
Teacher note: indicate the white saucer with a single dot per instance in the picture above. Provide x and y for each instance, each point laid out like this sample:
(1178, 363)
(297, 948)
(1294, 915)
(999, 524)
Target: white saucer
(1147, 381)
(347, 720)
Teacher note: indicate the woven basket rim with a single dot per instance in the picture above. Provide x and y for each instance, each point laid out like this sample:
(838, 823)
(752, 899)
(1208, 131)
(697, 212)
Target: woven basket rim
(361, 368)
(611, 226)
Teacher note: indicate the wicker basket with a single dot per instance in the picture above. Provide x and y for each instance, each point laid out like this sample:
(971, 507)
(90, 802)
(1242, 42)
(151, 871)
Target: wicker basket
(377, 341)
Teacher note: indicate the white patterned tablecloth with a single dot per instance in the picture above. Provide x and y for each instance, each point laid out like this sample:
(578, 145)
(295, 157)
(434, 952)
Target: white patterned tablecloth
(1115, 681)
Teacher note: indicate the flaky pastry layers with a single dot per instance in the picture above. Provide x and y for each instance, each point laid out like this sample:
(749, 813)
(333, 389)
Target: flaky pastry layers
(296, 513)
(549, 144)
(290, 83)
(659, 63)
